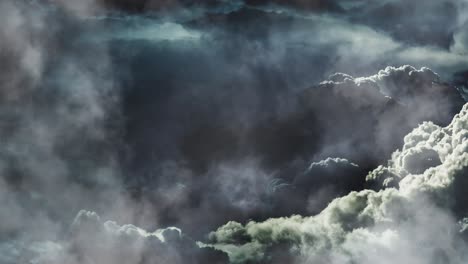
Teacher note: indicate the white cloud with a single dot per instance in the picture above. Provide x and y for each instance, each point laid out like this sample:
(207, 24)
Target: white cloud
(415, 223)
(92, 240)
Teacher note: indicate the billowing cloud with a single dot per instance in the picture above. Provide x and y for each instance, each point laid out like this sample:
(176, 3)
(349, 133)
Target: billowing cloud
(91, 240)
(191, 114)
(260, 170)
(414, 221)
(59, 124)
(386, 106)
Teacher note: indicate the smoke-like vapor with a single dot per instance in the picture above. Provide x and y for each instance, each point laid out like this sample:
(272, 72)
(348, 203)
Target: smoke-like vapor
(420, 220)
(249, 118)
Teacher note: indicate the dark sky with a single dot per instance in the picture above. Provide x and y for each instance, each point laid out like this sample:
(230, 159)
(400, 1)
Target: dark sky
(241, 131)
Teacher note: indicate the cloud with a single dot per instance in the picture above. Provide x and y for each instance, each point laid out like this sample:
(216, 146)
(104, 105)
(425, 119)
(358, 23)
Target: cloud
(386, 106)
(249, 64)
(208, 165)
(128, 28)
(434, 28)
(92, 240)
(59, 124)
(196, 114)
(415, 221)
(432, 23)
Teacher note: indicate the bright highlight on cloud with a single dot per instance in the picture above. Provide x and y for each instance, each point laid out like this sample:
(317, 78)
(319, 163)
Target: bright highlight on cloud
(417, 220)
(256, 131)
(151, 31)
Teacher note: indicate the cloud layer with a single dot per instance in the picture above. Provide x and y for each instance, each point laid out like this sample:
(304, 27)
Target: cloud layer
(416, 221)
(238, 114)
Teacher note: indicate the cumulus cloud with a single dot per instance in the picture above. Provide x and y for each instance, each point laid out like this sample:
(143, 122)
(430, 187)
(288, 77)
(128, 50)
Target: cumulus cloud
(247, 66)
(217, 171)
(414, 221)
(194, 114)
(386, 106)
(91, 240)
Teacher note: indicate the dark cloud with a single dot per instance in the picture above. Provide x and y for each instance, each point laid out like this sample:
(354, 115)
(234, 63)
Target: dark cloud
(256, 170)
(369, 226)
(146, 5)
(380, 108)
(314, 5)
(430, 23)
(91, 240)
(190, 114)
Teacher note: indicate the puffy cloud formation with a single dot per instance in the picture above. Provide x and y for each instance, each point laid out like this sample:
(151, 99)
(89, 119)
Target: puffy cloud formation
(310, 191)
(415, 221)
(195, 114)
(377, 110)
(380, 108)
(405, 84)
(91, 240)
(258, 172)
(244, 191)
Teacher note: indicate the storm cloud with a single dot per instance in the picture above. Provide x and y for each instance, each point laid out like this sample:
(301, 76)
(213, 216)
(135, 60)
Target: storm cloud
(417, 220)
(240, 131)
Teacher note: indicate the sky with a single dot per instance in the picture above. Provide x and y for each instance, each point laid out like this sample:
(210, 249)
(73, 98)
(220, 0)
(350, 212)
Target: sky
(255, 131)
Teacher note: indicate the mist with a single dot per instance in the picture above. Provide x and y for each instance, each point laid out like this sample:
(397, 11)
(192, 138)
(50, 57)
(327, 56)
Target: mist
(233, 131)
